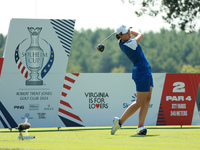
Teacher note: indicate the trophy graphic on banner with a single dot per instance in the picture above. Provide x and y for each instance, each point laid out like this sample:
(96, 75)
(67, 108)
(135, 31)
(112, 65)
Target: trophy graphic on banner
(34, 57)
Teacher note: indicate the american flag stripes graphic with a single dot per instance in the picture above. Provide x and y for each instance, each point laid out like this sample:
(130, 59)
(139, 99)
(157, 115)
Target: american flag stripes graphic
(64, 30)
(65, 107)
(20, 66)
(1, 64)
(161, 116)
(5, 117)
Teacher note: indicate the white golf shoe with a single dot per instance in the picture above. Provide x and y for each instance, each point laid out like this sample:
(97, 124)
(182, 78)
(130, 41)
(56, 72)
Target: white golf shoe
(115, 126)
(141, 131)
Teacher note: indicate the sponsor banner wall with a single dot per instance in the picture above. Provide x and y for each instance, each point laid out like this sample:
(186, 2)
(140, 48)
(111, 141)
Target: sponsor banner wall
(94, 99)
(34, 85)
(86, 101)
(98, 101)
(35, 61)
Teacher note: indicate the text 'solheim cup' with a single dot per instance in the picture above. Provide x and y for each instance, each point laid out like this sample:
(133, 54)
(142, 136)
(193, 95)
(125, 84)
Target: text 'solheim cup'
(34, 57)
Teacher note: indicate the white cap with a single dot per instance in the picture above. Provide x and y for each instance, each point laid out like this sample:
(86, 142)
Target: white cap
(122, 29)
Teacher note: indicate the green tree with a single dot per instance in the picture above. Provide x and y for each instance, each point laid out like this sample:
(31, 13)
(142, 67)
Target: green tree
(181, 13)
(2, 44)
(120, 69)
(190, 69)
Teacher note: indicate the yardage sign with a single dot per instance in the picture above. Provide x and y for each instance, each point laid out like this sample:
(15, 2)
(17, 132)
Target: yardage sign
(178, 99)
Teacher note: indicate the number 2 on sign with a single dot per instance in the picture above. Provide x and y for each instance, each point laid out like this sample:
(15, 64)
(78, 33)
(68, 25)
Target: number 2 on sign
(179, 87)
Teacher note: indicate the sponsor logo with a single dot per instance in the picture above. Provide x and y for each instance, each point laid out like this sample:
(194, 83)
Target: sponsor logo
(97, 100)
(126, 105)
(49, 108)
(34, 61)
(18, 107)
(27, 115)
(41, 115)
(33, 106)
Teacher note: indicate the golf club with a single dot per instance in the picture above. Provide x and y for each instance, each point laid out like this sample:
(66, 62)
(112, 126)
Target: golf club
(100, 46)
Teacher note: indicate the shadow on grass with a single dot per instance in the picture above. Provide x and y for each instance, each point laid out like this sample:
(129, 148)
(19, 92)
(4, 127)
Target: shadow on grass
(74, 129)
(174, 127)
(142, 136)
(64, 129)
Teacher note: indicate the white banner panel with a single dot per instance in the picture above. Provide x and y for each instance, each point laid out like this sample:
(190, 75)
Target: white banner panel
(34, 85)
(96, 98)
(34, 66)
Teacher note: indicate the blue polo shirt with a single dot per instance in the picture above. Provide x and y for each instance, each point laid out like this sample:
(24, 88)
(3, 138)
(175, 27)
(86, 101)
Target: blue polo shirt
(141, 66)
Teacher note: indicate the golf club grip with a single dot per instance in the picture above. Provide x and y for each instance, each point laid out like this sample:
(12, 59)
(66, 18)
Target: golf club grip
(107, 38)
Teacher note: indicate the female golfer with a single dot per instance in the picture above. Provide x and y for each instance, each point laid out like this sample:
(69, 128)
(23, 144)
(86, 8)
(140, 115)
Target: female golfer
(141, 74)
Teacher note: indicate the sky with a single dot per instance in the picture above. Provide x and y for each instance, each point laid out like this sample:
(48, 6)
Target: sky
(89, 14)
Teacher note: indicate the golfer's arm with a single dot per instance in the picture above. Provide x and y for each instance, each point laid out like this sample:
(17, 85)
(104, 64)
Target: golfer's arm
(138, 36)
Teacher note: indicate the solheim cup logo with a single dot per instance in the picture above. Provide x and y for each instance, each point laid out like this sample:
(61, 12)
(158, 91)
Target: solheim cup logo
(31, 60)
(34, 57)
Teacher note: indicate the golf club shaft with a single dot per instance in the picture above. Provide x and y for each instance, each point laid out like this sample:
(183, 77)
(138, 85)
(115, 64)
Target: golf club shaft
(107, 38)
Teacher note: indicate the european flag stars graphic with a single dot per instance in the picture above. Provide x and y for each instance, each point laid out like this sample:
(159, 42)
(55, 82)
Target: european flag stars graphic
(49, 64)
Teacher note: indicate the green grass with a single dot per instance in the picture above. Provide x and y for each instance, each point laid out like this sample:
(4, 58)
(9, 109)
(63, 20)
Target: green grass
(157, 138)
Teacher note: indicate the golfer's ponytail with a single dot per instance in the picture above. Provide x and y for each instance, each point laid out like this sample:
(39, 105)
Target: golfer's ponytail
(117, 36)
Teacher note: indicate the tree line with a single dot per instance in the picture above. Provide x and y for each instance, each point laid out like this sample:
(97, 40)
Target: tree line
(2, 44)
(168, 51)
